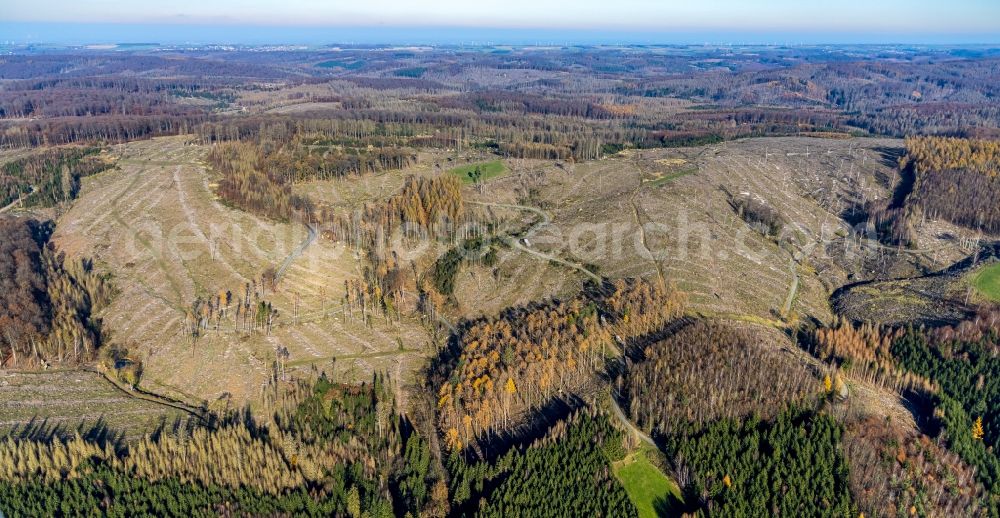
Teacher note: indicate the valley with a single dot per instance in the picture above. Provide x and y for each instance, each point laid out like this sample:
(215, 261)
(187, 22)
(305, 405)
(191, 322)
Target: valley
(441, 281)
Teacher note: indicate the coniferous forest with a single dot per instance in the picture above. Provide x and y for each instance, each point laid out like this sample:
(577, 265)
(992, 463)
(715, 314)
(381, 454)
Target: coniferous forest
(499, 280)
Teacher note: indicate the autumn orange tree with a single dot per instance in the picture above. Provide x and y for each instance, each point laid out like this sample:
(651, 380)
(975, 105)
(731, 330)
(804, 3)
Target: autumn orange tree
(977, 429)
(954, 367)
(432, 206)
(955, 179)
(424, 208)
(863, 350)
(321, 443)
(948, 153)
(529, 355)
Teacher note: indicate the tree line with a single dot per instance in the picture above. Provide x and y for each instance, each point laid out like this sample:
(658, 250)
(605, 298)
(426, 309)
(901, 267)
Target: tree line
(50, 176)
(906, 473)
(957, 179)
(603, 99)
(708, 371)
(572, 460)
(966, 376)
(952, 369)
(498, 368)
(954, 179)
(328, 450)
(48, 303)
(791, 465)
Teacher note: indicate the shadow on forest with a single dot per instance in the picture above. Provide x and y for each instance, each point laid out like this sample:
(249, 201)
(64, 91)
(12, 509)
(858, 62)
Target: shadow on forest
(40, 429)
(921, 406)
(670, 506)
(857, 212)
(534, 428)
(178, 426)
(44, 429)
(889, 156)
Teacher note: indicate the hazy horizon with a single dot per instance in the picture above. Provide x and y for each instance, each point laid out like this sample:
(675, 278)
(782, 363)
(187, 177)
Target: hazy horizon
(59, 33)
(513, 21)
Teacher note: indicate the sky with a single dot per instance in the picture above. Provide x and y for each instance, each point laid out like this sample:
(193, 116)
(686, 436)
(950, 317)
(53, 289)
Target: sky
(863, 21)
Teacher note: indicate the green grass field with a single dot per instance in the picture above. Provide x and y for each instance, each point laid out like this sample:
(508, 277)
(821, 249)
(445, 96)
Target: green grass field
(987, 282)
(489, 170)
(650, 490)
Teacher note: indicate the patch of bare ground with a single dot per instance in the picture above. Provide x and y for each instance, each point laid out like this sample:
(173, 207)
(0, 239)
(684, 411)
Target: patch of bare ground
(66, 401)
(666, 212)
(929, 300)
(156, 226)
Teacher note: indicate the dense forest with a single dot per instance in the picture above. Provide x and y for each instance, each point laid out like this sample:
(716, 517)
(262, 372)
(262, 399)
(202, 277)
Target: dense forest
(752, 430)
(790, 466)
(47, 302)
(50, 176)
(533, 410)
(708, 371)
(329, 450)
(606, 97)
(957, 180)
(726, 405)
(966, 375)
(953, 368)
(572, 461)
(896, 473)
(498, 368)
(954, 179)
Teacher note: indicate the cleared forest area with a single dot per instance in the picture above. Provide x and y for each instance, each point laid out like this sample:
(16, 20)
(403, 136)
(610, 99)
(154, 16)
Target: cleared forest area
(722, 281)
(168, 242)
(42, 404)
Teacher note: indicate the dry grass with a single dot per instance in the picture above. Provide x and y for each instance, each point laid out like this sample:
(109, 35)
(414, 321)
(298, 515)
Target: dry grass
(615, 212)
(618, 212)
(156, 226)
(611, 213)
(517, 279)
(67, 401)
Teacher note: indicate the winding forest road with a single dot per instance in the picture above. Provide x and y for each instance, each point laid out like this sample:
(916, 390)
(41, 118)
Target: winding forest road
(517, 242)
(985, 253)
(151, 397)
(18, 200)
(628, 424)
(297, 252)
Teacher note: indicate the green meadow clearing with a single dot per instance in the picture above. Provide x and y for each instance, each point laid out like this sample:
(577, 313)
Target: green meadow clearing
(650, 490)
(488, 169)
(987, 282)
